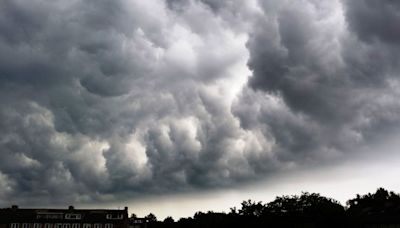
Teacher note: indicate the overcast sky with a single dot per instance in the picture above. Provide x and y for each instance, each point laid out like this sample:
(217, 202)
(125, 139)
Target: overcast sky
(196, 103)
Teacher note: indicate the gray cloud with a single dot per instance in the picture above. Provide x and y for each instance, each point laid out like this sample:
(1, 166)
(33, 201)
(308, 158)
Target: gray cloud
(319, 64)
(107, 99)
(102, 100)
(374, 20)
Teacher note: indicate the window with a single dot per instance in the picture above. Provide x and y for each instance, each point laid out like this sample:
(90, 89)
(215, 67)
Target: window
(114, 216)
(109, 225)
(50, 215)
(66, 225)
(87, 225)
(14, 225)
(25, 225)
(47, 225)
(76, 225)
(36, 225)
(73, 216)
(97, 225)
(58, 225)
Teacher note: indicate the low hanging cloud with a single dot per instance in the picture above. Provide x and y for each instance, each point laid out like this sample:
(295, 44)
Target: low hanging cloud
(102, 100)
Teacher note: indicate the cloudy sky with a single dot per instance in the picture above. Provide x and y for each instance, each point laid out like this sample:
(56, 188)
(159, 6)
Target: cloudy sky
(196, 103)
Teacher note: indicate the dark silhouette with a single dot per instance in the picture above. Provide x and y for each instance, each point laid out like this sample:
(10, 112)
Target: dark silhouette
(169, 220)
(252, 209)
(71, 217)
(381, 209)
(151, 217)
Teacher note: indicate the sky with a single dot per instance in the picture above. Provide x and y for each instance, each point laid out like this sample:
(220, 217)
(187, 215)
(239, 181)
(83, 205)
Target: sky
(177, 106)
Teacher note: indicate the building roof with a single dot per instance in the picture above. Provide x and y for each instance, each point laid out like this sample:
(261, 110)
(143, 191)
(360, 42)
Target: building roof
(71, 215)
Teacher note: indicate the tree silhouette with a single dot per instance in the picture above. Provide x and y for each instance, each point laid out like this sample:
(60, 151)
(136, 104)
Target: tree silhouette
(305, 210)
(250, 208)
(151, 217)
(307, 204)
(380, 205)
(169, 220)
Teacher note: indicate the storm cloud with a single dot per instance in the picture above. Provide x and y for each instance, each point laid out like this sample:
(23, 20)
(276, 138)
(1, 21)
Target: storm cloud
(108, 99)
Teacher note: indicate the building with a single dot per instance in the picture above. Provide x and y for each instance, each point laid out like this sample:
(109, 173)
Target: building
(15, 217)
(138, 222)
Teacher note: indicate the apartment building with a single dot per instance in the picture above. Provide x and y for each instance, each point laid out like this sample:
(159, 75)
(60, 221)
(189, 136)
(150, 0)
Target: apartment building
(16, 217)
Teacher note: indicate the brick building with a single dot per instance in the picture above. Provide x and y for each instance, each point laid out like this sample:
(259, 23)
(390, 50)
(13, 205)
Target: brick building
(15, 217)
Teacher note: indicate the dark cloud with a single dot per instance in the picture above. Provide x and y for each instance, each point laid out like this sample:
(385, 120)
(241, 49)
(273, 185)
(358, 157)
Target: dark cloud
(102, 100)
(374, 20)
(312, 58)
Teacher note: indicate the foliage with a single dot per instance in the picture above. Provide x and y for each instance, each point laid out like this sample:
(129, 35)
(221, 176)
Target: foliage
(305, 210)
(381, 202)
(151, 217)
(169, 220)
(250, 208)
(307, 204)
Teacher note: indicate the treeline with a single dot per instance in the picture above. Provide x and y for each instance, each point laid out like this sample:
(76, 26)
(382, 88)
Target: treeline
(380, 209)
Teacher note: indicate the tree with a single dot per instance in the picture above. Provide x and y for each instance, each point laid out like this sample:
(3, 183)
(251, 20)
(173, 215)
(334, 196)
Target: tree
(307, 204)
(250, 208)
(233, 211)
(379, 203)
(169, 220)
(151, 217)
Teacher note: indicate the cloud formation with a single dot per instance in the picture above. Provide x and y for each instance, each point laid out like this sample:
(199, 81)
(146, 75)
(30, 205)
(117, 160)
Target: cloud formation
(326, 69)
(109, 99)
